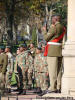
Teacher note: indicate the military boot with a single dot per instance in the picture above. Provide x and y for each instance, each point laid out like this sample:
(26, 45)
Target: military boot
(24, 92)
(20, 91)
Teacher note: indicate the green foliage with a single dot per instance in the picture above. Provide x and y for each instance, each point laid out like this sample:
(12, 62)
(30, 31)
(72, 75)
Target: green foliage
(27, 8)
(16, 10)
(60, 7)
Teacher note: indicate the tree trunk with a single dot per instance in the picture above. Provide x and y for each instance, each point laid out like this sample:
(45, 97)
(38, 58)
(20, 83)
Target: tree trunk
(10, 19)
(46, 8)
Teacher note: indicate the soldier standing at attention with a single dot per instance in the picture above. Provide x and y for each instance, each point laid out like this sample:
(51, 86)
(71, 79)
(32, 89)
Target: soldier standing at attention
(21, 67)
(41, 71)
(30, 69)
(9, 68)
(32, 50)
(3, 69)
(54, 53)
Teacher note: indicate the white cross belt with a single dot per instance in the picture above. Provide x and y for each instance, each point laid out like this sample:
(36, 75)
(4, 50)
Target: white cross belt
(54, 43)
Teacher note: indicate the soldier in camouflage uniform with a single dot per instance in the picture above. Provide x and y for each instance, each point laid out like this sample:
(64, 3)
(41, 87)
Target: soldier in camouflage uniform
(32, 50)
(9, 68)
(41, 71)
(30, 69)
(21, 67)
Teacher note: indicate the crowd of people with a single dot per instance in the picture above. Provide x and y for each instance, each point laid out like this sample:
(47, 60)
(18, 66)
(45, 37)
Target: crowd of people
(39, 68)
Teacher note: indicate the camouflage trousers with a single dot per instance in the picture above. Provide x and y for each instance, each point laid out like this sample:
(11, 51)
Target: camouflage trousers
(2, 83)
(22, 78)
(41, 80)
(30, 74)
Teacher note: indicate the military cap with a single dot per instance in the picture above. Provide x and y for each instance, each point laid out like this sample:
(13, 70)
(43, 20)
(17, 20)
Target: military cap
(23, 45)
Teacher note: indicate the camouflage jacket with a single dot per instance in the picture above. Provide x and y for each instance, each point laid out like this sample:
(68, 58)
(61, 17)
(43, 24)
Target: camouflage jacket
(40, 63)
(21, 60)
(30, 63)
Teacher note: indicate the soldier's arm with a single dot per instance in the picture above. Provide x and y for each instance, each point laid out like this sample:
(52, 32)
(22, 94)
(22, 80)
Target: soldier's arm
(26, 62)
(12, 64)
(59, 29)
(15, 66)
(45, 65)
(5, 63)
(50, 34)
(35, 63)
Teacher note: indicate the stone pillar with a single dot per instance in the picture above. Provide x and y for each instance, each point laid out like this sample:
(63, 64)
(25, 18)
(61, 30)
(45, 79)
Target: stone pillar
(68, 78)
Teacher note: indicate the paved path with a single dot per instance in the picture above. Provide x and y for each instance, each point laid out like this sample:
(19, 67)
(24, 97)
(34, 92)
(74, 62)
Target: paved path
(13, 96)
(31, 96)
(59, 95)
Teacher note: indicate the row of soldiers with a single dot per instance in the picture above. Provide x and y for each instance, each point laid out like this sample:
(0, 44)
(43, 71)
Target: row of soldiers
(30, 65)
(41, 63)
